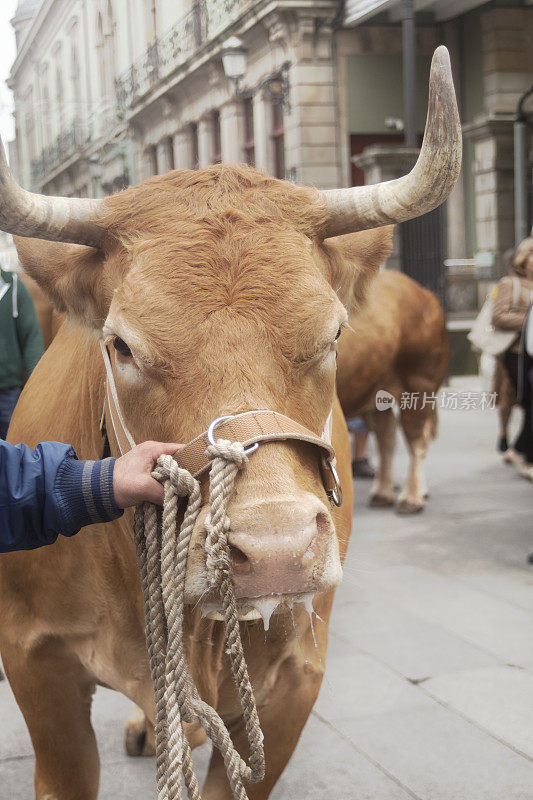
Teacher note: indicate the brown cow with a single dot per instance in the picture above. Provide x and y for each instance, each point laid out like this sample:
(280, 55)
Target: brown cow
(397, 342)
(216, 293)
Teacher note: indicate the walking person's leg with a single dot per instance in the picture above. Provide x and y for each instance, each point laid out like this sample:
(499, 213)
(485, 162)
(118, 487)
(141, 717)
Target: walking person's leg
(507, 399)
(526, 434)
(361, 467)
(515, 454)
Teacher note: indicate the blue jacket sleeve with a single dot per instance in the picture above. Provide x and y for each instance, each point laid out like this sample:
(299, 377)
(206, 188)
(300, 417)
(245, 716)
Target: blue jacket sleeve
(47, 491)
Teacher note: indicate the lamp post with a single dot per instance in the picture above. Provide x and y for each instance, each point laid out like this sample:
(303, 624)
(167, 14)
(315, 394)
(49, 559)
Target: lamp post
(234, 60)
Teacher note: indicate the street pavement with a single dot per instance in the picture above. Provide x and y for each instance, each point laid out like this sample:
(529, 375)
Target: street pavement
(428, 692)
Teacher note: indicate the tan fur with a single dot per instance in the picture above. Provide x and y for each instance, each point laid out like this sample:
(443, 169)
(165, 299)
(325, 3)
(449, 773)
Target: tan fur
(222, 276)
(398, 343)
(49, 319)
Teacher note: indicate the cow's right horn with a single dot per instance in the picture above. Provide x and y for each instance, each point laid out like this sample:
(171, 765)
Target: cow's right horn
(427, 185)
(59, 219)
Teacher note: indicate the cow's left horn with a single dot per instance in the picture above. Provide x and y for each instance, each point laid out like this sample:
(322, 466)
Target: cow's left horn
(59, 219)
(427, 185)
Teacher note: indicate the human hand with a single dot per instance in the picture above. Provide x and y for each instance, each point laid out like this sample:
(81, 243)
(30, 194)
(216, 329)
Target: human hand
(132, 480)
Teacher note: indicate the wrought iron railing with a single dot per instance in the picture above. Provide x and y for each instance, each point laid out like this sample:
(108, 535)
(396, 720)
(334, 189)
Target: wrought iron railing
(66, 145)
(205, 20)
(165, 53)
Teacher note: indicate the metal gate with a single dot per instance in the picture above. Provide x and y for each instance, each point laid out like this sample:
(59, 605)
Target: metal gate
(422, 251)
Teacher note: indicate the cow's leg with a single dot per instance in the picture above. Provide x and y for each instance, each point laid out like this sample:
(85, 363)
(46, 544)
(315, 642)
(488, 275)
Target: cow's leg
(54, 693)
(418, 426)
(384, 425)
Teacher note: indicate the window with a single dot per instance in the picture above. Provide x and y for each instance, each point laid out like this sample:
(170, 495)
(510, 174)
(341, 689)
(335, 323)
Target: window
(151, 20)
(249, 143)
(45, 105)
(150, 160)
(278, 139)
(168, 154)
(75, 77)
(47, 122)
(194, 146)
(29, 124)
(217, 150)
(105, 42)
(60, 97)
(74, 94)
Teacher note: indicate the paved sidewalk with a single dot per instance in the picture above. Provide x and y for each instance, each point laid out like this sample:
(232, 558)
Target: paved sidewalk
(429, 687)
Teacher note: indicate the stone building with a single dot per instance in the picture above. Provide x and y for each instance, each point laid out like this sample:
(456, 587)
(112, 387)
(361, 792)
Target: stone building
(492, 58)
(108, 92)
(111, 91)
(461, 253)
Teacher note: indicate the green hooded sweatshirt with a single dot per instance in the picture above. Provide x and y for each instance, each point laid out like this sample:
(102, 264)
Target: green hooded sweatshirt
(21, 341)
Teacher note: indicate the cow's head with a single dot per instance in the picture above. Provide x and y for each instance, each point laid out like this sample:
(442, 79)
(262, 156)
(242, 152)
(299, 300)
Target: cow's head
(220, 291)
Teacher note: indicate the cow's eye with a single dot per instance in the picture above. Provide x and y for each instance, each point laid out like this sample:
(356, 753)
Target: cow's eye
(121, 347)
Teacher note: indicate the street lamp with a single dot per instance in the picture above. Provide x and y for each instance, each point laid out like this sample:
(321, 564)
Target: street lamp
(234, 59)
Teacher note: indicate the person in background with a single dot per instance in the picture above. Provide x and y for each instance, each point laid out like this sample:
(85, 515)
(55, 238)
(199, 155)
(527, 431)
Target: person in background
(524, 443)
(501, 382)
(361, 466)
(21, 343)
(511, 300)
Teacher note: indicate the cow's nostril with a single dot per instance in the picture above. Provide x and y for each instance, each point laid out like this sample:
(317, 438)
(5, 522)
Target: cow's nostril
(322, 524)
(239, 560)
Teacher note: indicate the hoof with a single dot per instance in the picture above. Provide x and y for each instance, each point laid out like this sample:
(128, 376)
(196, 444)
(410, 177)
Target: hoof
(408, 507)
(136, 740)
(380, 501)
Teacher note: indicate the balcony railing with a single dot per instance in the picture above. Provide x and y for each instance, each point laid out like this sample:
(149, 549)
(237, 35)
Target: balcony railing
(205, 20)
(66, 145)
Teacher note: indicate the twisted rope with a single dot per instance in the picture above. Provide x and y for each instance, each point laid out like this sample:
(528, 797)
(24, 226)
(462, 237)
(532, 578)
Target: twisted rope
(162, 553)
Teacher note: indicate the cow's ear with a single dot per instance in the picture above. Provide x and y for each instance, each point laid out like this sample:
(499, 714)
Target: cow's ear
(73, 277)
(354, 259)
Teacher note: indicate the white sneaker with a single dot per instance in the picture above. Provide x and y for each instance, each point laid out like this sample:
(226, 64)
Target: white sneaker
(512, 456)
(526, 471)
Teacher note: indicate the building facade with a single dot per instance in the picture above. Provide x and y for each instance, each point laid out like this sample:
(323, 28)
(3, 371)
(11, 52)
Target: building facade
(109, 92)
(492, 61)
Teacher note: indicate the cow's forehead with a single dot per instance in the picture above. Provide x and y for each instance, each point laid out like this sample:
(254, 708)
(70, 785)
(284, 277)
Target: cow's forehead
(220, 195)
(240, 288)
(265, 271)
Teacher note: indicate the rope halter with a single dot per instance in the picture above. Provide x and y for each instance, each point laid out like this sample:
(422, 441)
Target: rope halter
(162, 555)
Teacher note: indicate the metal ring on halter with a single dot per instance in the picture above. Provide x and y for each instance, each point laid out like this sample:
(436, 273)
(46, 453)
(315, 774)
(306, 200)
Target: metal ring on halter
(336, 493)
(217, 421)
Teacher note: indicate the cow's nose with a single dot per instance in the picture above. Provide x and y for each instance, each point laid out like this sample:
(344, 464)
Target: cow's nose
(279, 547)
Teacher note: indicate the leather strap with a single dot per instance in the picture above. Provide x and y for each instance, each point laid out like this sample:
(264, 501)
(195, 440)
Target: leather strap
(250, 428)
(112, 410)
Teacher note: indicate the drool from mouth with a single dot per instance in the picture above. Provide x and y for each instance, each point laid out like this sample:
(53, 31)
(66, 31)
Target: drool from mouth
(253, 608)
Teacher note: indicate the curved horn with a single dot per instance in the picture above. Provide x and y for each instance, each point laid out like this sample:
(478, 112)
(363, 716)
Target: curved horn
(59, 219)
(427, 185)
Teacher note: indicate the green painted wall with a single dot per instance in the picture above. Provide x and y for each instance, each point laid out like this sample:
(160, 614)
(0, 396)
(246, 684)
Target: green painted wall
(374, 89)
